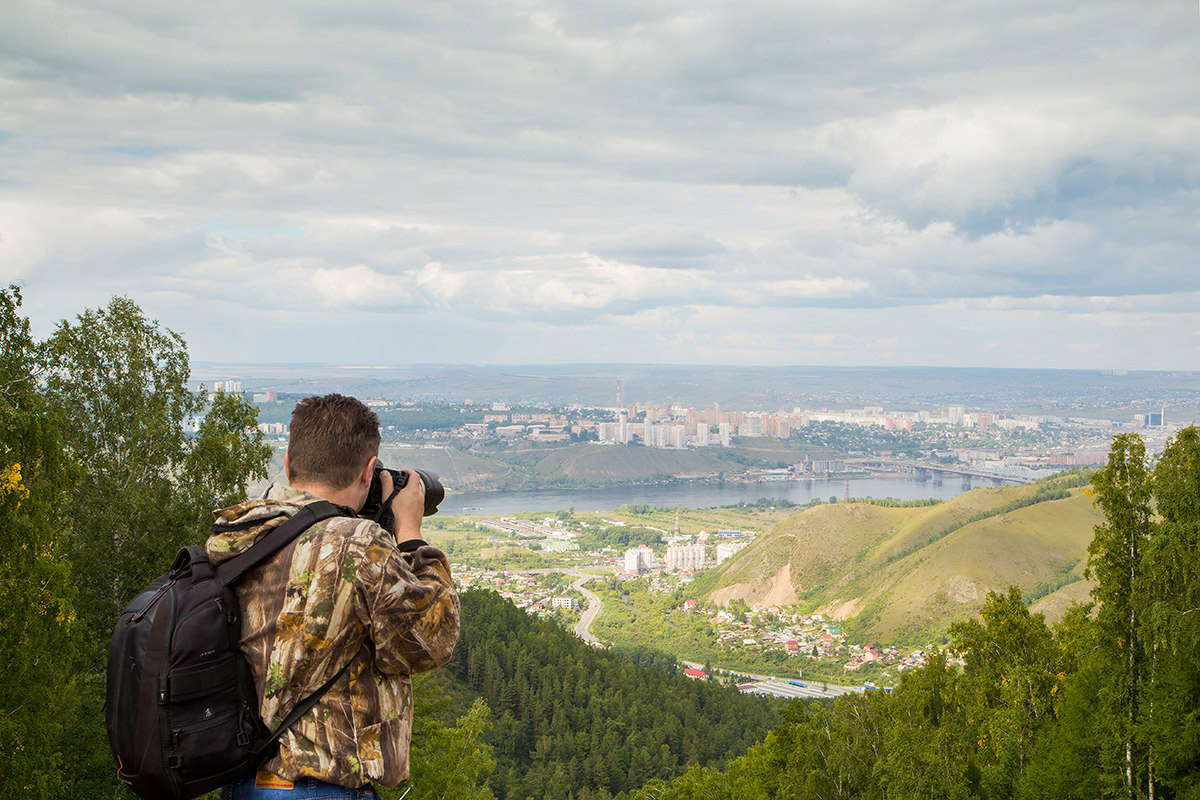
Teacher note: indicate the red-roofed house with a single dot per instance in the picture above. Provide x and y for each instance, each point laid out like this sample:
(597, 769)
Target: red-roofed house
(689, 604)
(695, 674)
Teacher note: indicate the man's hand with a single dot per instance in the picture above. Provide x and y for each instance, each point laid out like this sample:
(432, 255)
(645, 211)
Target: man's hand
(408, 507)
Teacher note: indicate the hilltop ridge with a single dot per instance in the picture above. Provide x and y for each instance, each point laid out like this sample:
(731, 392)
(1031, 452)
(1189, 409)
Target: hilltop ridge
(896, 573)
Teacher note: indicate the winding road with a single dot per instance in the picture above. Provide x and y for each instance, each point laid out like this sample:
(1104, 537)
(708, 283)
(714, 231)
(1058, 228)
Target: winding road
(583, 628)
(765, 684)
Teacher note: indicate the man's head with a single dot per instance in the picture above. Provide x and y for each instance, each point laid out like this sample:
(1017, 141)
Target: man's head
(333, 442)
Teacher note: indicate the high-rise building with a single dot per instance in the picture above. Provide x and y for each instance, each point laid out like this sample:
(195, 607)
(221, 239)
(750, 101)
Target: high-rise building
(723, 434)
(638, 560)
(623, 426)
(678, 436)
(702, 434)
(688, 557)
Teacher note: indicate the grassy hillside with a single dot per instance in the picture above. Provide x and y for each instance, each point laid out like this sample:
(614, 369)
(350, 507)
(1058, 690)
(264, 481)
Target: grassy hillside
(605, 463)
(901, 573)
(595, 462)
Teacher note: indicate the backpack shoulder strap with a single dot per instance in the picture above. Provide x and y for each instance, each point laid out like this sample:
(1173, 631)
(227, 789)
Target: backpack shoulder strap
(229, 571)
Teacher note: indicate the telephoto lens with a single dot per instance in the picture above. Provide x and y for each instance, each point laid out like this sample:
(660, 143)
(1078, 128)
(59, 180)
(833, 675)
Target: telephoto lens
(435, 493)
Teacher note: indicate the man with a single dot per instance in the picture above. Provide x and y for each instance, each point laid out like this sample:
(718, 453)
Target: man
(346, 591)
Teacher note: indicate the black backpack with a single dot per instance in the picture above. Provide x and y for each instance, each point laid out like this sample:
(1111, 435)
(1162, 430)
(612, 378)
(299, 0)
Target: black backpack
(181, 706)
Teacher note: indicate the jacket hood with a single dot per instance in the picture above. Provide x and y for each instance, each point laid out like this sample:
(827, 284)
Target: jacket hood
(236, 528)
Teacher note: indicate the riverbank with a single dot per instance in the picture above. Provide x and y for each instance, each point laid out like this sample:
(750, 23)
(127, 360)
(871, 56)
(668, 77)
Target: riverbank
(696, 494)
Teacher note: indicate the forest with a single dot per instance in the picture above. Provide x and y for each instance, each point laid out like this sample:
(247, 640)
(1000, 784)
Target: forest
(569, 720)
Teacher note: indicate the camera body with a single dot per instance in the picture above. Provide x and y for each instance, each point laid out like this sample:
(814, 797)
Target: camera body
(435, 493)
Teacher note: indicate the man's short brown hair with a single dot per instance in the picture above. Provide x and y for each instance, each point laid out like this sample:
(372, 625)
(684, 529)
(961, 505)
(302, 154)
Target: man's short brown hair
(331, 439)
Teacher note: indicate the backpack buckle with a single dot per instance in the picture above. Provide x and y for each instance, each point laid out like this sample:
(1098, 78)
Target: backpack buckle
(174, 761)
(243, 739)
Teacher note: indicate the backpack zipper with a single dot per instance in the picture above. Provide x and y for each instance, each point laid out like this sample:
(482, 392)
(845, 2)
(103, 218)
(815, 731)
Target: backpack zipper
(220, 604)
(164, 733)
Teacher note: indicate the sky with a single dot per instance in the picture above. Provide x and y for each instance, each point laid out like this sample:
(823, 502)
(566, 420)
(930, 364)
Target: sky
(1013, 183)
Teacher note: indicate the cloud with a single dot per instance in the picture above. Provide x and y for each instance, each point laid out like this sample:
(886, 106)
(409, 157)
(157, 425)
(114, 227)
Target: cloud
(596, 170)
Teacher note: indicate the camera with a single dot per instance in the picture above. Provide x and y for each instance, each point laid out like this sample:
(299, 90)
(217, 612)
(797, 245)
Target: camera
(435, 493)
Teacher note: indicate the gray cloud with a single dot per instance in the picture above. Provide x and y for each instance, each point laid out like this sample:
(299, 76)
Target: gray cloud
(838, 182)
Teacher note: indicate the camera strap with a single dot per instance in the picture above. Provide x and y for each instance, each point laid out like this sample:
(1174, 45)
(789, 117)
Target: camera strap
(386, 506)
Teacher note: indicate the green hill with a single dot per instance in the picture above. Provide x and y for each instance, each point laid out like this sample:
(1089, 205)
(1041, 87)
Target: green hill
(897, 573)
(594, 462)
(614, 463)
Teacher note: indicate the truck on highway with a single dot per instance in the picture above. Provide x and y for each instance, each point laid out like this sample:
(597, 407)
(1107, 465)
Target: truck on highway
(801, 684)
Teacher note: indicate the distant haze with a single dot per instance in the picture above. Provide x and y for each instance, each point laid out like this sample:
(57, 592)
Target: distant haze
(1061, 392)
(1004, 184)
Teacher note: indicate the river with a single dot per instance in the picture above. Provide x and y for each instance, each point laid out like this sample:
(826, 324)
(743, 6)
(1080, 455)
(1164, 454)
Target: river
(696, 495)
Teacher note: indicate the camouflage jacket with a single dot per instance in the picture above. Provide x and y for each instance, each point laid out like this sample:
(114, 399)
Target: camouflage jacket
(342, 592)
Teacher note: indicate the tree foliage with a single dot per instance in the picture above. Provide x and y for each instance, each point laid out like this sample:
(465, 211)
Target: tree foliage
(99, 486)
(37, 639)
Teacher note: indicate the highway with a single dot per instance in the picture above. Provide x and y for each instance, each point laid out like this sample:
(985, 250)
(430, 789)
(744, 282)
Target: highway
(772, 684)
(781, 688)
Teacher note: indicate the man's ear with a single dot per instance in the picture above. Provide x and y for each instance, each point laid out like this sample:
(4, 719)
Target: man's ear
(367, 473)
(287, 466)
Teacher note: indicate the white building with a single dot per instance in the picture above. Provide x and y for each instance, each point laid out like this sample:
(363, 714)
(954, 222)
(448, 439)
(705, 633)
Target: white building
(702, 434)
(723, 434)
(638, 560)
(569, 603)
(678, 437)
(725, 550)
(689, 557)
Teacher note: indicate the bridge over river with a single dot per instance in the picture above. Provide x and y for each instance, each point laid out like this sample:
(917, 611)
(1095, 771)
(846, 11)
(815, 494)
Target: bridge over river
(922, 470)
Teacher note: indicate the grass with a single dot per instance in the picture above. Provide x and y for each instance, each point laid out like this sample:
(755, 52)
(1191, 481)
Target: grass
(903, 574)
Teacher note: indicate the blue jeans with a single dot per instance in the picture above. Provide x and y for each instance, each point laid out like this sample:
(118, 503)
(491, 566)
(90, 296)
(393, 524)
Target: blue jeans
(305, 789)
